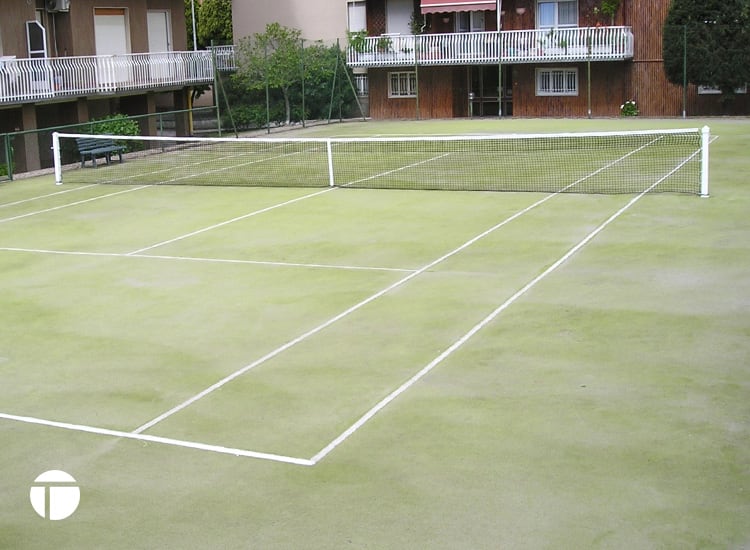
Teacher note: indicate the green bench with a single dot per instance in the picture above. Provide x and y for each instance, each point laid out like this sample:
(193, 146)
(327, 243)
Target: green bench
(91, 148)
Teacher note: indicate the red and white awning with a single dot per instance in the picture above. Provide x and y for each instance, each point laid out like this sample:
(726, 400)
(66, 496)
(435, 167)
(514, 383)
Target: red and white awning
(437, 6)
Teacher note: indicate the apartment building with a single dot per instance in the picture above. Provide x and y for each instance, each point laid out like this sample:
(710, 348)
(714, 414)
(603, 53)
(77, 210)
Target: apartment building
(446, 58)
(70, 61)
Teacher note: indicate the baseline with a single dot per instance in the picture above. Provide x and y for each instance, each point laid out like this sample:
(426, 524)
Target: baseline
(206, 260)
(301, 338)
(158, 439)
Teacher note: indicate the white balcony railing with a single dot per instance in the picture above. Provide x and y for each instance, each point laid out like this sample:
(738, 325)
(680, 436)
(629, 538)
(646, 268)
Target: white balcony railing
(48, 78)
(225, 59)
(527, 46)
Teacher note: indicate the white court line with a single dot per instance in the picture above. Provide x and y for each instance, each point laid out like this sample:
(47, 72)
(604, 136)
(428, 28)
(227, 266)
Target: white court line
(347, 433)
(484, 322)
(245, 216)
(227, 222)
(206, 260)
(197, 163)
(396, 170)
(182, 165)
(332, 320)
(157, 439)
(22, 201)
(355, 307)
(76, 203)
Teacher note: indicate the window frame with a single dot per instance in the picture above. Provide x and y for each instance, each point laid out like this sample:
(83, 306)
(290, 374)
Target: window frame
(356, 10)
(556, 24)
(566, 73)
(470, 21)
(411, 85)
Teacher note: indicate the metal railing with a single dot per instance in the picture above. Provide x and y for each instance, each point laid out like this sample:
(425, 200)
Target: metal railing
(13, 141)
(225, 59)
(37, 79)
(526, 46)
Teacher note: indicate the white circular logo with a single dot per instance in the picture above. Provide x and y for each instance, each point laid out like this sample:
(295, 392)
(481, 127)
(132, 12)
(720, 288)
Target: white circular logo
(55, 495)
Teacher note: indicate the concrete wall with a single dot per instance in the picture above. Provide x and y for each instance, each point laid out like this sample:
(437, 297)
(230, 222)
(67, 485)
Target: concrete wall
(317, 20)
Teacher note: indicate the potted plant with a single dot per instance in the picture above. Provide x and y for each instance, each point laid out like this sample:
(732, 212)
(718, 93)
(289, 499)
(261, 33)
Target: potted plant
(417, 23)
(357, 40)
(385, 43)
(609, 9)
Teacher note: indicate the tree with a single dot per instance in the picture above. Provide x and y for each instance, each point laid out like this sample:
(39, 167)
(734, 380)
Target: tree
(715, 36)
(272, 58)
(213, 21)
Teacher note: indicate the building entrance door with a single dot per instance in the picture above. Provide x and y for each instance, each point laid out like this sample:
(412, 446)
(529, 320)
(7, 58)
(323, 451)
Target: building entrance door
(483, 83)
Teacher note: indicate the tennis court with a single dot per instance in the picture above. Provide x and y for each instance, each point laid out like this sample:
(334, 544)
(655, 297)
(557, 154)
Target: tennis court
(479, 367)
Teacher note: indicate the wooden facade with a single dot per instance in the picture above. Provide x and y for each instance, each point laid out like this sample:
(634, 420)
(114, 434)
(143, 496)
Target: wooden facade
(443, 91)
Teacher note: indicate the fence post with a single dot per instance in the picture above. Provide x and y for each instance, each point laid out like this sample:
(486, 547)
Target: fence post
(8, 156)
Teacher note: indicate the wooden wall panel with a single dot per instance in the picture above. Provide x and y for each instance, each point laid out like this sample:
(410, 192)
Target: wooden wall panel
(609, 89)
(443, 90)
(440, 90)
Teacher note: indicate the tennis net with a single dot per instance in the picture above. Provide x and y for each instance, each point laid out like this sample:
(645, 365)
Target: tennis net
(592, 162)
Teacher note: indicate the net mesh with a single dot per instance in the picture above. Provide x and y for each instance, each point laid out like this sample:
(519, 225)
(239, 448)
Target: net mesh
(628, 162)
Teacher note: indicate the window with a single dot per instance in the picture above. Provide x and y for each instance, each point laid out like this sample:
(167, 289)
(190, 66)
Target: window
(357, 16)
(557, 13)
(470, 21)
(402, 84)
(362, 84)
(557, 82)
(707, 90)
(111, 33)
(36, 39)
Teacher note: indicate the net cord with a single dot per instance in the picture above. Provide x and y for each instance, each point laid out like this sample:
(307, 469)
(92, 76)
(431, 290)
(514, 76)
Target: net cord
(476, 137)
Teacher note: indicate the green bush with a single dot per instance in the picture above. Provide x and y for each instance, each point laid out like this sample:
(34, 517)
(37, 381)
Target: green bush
(118, 125)
(6, 166)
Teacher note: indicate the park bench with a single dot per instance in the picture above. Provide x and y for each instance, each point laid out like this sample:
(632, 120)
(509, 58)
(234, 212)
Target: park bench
(91, 148)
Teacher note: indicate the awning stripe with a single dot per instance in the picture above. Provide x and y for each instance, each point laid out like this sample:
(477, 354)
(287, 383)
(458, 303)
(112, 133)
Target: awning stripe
(438, 6)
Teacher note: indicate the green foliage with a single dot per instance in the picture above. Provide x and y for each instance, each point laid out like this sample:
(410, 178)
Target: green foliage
(385, 43)
(277, 59)
(6, 166)
(357, 40)
(629, 108)
(118, 125)
(714, 38)
(213, 21)
(417, 22)
(273, 59)
(609, 8)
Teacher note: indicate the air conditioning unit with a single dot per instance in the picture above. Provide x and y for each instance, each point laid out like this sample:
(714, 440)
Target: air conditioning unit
(54, 6)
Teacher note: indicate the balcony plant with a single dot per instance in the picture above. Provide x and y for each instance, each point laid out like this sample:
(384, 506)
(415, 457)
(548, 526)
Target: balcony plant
(385, 44)
(357, 40)
(609, 9)
(417, 23)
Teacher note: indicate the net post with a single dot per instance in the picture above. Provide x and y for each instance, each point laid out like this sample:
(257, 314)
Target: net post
(705, 140)
(329, 152)
(57, 157)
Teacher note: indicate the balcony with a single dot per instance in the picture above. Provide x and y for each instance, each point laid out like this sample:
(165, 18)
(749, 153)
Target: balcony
(477, 48)
(50, 78)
